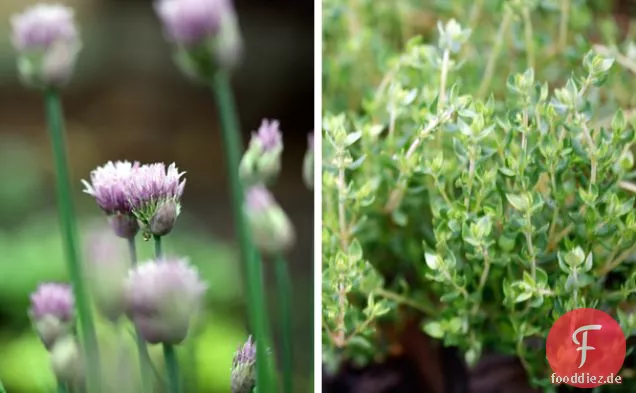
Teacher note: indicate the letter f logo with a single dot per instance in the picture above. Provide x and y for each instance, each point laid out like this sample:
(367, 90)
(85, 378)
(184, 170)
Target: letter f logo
(584, 347)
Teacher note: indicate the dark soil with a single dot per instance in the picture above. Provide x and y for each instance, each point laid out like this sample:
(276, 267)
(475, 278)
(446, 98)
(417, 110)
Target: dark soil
(424, 366)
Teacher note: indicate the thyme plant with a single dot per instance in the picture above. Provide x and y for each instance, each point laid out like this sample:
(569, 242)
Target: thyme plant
(487, 214)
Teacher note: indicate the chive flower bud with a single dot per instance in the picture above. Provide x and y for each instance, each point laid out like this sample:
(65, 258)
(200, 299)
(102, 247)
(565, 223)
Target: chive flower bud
(108, 264)
(52, 311)
(308, 163)
(262, 161)
(47, 41)
(110, 186)
(162, 297)
(154, 193)
(273, 232)
(67, 362)
(243, 377)
(205, 35)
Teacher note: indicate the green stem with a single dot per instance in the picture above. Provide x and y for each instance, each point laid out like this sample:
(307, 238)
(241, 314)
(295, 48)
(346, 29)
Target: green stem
(53, 107)
(442, 81)
(169, 355)
(563, 24)
(529, 37)
(494, 54)
(284, 299)
(144, 357)
(2, 389)
(172, 367)
(158, 248)
(475, 13)
(61, 388)
(232, 148)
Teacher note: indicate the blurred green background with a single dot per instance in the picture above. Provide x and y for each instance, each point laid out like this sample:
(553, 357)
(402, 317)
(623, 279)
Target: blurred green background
(128, 101)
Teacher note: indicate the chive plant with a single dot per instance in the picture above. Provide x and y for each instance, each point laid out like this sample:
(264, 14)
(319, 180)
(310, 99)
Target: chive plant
(160, 297)
(467, 190)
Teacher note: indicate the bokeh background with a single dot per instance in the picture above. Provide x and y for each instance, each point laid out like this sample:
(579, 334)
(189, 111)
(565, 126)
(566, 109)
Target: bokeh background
(128, 101)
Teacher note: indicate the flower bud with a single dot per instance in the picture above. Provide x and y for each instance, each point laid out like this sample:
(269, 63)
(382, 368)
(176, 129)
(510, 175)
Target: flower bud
(110, 187)
(308, 163)
(244, 368)
(162, 297)
(52, 312)
(273, 232)
(154, 193)
(124, 225)
(205, 35)
(66, 361)
(47, 42)
(107, 268)
(164, 219)
(51, 329)
(262, 160)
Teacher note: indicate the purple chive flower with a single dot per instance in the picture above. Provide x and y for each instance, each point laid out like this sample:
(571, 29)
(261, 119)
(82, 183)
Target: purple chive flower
(47, 40)
(201, 26)
(268, 136)
(110, 185)
(244, 368)
(162, 296)
(53, 299)
(41, 25)
(190, 22)
(272, 231)
(52, 311)
(154, 194)
(261, 162)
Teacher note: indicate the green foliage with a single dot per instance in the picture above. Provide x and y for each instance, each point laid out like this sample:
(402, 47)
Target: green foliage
(488, 205)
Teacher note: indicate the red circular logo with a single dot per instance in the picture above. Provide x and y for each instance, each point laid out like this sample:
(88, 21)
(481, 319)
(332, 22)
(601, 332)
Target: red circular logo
(586, 348)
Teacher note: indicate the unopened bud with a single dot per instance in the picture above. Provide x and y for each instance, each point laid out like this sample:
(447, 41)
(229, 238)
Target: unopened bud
(47, 42)
(244, 368)
(107, 264)
(124, 225)
(162, 297)
(51, 329)
(205, 35)
(52, 312)
(164, 219)
(262, 161)
(66, 361)
(272, 231)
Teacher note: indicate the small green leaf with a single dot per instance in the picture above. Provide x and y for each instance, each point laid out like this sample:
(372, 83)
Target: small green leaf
(454, 325)
(522, 297)
(542, 278)
(434, 329)
(575, 257)
(449, 297)
(519, 202)
(360, 342)
(588, 263)
(433, 261)
(355, 251)
(352, 138)
(357, 163)
(618, 121)
(507, 171)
